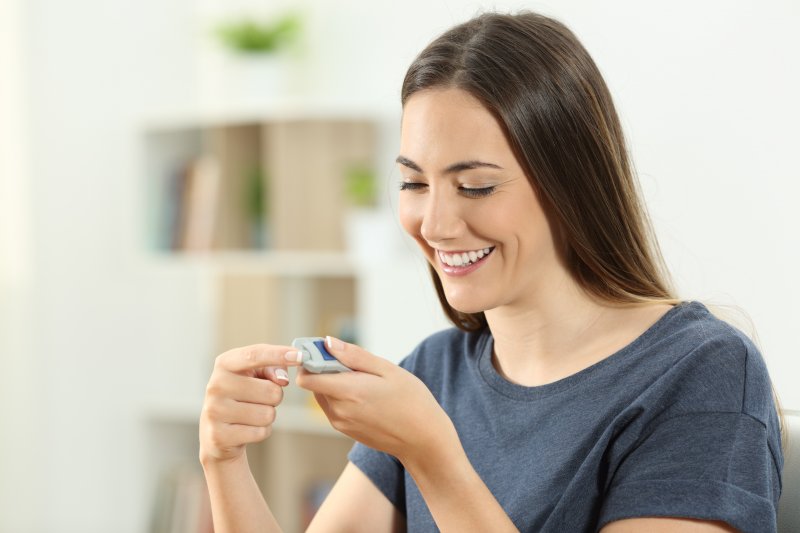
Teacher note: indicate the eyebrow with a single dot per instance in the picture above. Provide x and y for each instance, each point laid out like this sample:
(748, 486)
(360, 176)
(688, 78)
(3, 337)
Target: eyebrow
(455, 167)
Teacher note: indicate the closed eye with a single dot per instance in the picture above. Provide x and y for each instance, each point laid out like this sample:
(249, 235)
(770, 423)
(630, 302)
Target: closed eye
(412, 185)
(469, 192)
(476, 193)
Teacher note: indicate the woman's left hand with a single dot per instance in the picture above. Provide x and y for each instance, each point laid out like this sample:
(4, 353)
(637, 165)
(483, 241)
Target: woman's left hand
(379, 404)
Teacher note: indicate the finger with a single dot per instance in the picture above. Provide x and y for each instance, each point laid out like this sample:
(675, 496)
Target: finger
(257, 356)
(336, 385)
(242, 413)
(277, 375)
(355, 357)
(245, 389)
(238, 434)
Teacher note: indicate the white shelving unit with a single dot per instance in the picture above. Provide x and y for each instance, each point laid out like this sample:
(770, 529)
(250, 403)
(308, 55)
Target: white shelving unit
(299, 282)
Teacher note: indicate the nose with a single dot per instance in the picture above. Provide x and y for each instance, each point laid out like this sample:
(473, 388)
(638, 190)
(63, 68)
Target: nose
(441, 218)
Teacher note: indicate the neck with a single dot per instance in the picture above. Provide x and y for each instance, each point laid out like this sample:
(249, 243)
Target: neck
(562, 332)
(549, 337)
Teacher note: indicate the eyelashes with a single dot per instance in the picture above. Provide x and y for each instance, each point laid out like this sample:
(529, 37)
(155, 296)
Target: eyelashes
(476, 193)
(469, 192)
(411, 186)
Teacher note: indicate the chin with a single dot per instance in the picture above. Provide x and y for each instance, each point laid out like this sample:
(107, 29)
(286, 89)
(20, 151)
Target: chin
(466, 310)
(467, 304)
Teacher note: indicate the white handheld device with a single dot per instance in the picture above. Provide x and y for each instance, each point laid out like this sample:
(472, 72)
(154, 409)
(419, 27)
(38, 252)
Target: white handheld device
(316, 357)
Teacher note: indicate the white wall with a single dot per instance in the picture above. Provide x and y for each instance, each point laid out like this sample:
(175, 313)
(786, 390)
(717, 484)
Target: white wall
(111, 332)
(707, 94)
(20, 473)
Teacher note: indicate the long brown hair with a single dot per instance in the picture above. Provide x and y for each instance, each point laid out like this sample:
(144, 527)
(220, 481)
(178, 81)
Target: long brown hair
(547, 94)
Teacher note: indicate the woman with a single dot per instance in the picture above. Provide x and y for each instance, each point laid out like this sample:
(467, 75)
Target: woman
(577, 393)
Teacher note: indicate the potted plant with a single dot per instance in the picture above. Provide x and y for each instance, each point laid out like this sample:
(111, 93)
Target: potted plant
(367, 228)
(254, 63)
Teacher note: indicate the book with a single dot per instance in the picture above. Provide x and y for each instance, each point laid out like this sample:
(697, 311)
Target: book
(199, 204)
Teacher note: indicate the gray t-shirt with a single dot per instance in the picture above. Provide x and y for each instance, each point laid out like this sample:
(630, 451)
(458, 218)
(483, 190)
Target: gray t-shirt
(680, 422)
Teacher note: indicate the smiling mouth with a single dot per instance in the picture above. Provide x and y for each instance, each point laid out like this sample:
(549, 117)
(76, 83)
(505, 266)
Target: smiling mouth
(464, 259)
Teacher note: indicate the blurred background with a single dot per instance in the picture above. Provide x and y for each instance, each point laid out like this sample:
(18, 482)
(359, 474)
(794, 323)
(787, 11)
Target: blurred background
(179, 178)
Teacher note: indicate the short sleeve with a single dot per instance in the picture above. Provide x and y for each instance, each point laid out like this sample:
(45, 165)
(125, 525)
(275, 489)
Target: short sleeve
(385, 471)
(708, 466)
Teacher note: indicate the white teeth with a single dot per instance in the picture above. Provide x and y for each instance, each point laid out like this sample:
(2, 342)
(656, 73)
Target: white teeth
(464, 258)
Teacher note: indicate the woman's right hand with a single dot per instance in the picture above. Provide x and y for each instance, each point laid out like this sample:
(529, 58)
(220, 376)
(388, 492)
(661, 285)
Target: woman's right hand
(242, 393)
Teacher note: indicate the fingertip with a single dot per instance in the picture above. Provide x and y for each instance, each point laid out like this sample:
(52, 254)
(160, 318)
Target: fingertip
(294, 357)
(333, 343)
(282, 375)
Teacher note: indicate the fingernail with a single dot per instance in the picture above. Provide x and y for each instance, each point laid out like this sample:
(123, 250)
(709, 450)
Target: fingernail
(334, 343)
(282, 375)
(296, 357)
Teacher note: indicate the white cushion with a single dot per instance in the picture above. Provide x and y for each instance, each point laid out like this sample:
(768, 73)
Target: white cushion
(789, 507)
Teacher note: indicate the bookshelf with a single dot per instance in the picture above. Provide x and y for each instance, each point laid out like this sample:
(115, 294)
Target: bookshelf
(261, 185)
(258, 205)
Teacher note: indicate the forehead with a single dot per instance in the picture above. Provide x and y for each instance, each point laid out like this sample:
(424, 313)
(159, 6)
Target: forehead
(450, 123)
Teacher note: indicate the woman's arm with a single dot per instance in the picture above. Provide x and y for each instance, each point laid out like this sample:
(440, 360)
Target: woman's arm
(239, 408)
(457, 497)
(236, 500)
(355, 505)
(667, 525)
(391, 410)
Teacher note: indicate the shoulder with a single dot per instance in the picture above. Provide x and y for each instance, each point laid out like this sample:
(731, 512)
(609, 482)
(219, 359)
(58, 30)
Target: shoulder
(703, 428)
(693, 326)
(715, 365)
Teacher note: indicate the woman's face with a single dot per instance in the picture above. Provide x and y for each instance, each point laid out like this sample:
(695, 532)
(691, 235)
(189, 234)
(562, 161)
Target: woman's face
(467, 202)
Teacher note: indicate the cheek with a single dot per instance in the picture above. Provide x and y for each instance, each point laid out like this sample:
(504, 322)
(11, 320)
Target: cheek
(409, 215)
(533, 234)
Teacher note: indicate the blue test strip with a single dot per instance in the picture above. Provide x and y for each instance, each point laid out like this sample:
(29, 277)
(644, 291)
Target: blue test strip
(325, 354)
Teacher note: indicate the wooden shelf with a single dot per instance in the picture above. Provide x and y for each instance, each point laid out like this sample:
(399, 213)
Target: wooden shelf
(290, 419)
(302, 453)
(278, 263)
(298, 419)
(257, 185)
(283, 110)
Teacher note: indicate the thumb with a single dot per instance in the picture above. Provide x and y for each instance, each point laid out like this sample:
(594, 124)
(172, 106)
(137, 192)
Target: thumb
(355, 357)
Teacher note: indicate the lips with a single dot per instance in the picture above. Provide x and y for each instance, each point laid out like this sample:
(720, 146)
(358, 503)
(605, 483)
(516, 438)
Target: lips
(463, 262)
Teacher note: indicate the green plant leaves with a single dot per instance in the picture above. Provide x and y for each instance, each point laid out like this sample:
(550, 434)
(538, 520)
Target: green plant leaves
(251, 36)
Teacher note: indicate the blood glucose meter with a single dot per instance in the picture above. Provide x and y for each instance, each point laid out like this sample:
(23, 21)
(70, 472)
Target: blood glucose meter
(316, 357)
